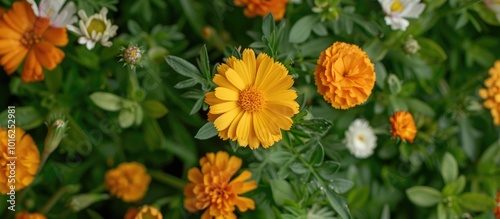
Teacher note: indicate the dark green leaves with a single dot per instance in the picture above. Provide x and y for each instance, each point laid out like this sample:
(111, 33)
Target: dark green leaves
(423, 196)
(25, 117)
(302, 28)
(206, 131)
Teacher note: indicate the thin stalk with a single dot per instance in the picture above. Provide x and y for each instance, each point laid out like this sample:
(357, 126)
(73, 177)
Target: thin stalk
(168, 179)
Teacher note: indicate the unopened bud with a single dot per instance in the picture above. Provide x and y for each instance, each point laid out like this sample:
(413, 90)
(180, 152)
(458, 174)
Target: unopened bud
(411, 46)
(131, 56)
(57, 131)
(394, 84)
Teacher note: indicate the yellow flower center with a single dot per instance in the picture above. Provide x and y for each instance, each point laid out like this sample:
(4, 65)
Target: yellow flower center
(96, 25)
(251, 100)
(29, 38)
(361, 138)
(396, 6)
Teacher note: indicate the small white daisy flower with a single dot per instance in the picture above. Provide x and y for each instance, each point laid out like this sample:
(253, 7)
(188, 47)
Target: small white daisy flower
(360, 139)
(94, 29)
(397, 10)
(52, 9)
(493, 5)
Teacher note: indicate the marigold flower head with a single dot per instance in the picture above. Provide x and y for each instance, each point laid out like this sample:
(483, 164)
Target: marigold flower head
(148, 212)
(27, 215)
(129, 181)
(496, 211)
(26, 35)
(211, 188)
(94, 29)
(25, 155)
(344, 75)
(263, 7)
(253, 100)
(403, 125)
(492, 92)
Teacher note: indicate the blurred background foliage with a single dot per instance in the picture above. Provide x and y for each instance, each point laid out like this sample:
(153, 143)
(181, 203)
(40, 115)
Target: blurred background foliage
(310, 174)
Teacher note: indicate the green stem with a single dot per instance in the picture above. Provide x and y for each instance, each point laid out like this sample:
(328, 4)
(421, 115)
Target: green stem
(53, 200)
(168, 179)
(465, 5)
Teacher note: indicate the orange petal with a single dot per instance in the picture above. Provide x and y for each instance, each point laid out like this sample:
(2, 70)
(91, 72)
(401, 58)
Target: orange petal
(48, 55)
(32, 69)
(13, 59)
(56, 36)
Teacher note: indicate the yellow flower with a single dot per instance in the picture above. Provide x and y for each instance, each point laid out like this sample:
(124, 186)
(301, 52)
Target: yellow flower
(27, 215)
(344, 75)
(263, 7)
(212, 188)
(129, 181)
(491, 92)
(403, 125)
(149, 212)
(24, 157)
(253, 101)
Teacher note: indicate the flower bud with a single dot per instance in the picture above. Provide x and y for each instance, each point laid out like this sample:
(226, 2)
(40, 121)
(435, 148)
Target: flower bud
(411, 46)
(131, 56)
(57, 131)
(394, 84)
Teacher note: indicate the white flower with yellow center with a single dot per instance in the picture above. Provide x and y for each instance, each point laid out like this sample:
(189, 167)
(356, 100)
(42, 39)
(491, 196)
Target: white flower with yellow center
(94, 29)
(360, 139)
(493, 5)
(52, 9)
(397, 10)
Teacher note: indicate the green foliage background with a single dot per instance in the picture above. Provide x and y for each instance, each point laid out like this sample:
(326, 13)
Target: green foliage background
(452, 168)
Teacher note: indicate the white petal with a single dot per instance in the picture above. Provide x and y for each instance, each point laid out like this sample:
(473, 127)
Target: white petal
(82, 40)
(82, 15)
(397, 23)
(73, 29)
(34, 7)
(413, 10)
(90, 45)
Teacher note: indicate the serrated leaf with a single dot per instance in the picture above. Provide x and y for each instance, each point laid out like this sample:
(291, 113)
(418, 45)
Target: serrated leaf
(281, 190)
(423, 196)
(476, 202)
(206, 131)
(449, 168)
(107, 101)
(154, 108)
(302, 29)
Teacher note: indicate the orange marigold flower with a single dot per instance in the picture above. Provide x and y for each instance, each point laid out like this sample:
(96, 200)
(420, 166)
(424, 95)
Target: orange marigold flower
(25, 35)
(212, 187)
(24, 157)
(131, 213)
(149, 212)
(491, 92)
(129, 181)
(263, 7)
(344, 75)
(253, 101)
(27, 215)
(403, 125)
(496, 211)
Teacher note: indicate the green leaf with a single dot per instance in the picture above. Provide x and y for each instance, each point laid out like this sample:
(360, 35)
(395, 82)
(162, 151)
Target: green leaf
(375, 49)
(53, 79)
(420, 106)
(134, 27)
(454, 188)
(206, 131)
(86, 58)
(93, 215)
(339, 204)
(126, 118)
(138, 114)
(381, 74)
(328, 170)
(268, 25)
(449, 168)
(386, 212)
(299, 168)
(186, 83)
(358, 197)
(476, 202)
(468, 136)
(183, 67)
(430, 51)
(205, 62)
(26, 117)
(441, 212)
(315, 125)
(281, 190)
(320, 29)
(423, 196)
(280, 157)
(486, 14)
(302, 29)
(107, 101)
(340, 185)
(154, 108)
(317, 155)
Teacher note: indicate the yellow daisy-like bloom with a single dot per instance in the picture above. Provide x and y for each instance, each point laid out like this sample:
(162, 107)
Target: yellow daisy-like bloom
(403, 125)
(149, 212)
(491, 92)
(129, 181)
(20, 163)
(212, 188)
(27, 215)
(263, 7)
(253, 101)
(344, 75)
